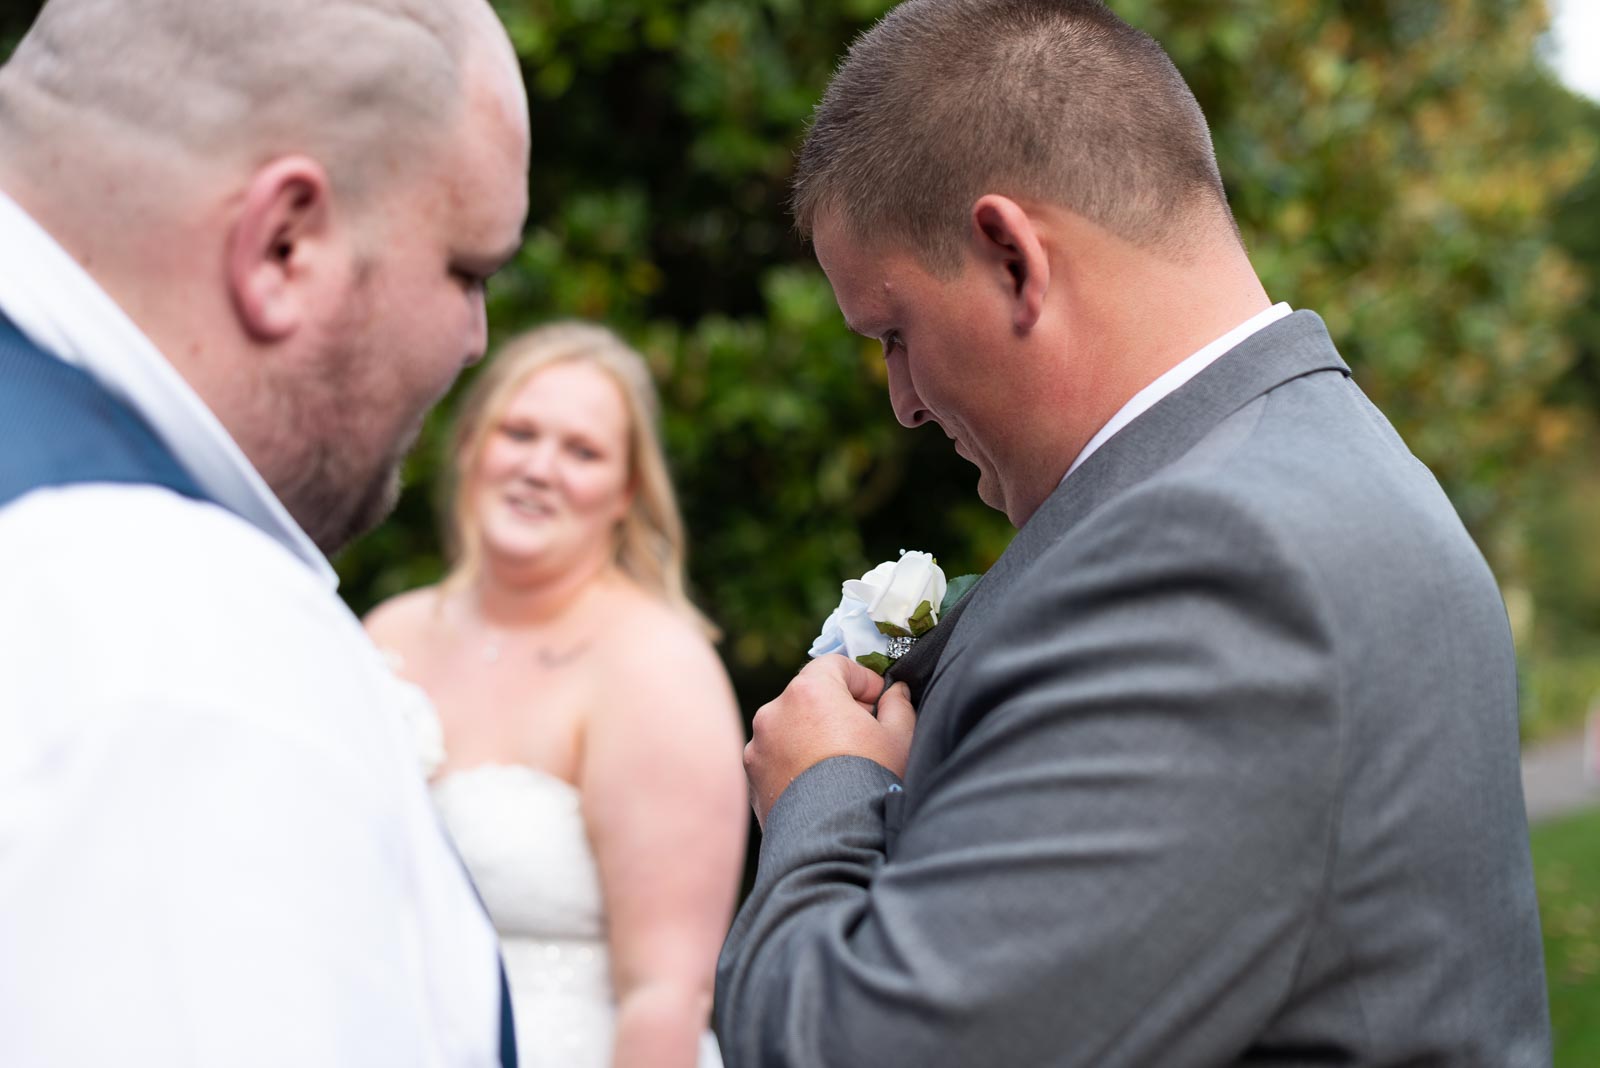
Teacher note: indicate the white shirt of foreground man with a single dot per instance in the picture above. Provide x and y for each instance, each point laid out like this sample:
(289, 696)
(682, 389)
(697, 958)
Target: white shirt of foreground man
(215, 847)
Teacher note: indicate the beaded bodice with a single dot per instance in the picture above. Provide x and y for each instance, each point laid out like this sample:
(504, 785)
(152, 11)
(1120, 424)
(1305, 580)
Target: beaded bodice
(515, 826)
(520, 832)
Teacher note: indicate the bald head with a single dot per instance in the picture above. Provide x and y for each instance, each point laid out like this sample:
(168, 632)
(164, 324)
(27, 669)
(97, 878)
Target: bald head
(296, 201)
(355, 84)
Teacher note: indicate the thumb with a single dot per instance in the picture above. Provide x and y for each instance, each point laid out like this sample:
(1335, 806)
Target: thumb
(894, 709)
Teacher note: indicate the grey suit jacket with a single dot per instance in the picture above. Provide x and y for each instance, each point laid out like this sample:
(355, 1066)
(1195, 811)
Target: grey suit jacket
(1218, 765)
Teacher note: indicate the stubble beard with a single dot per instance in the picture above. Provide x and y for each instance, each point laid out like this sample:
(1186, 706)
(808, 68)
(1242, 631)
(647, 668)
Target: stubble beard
(337, 495)
(989, 488)
(347, 479)
(342, 516)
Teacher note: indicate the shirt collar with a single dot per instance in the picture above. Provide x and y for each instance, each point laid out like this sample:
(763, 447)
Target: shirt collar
(61, 309)
(1174, 378)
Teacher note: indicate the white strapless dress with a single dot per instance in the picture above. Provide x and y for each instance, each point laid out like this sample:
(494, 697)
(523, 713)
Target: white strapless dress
(521, 834)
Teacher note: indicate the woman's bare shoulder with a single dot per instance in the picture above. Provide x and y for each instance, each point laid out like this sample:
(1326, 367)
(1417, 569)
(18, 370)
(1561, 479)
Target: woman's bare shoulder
(660, 631)
(661, 651)
(665, 712)
(403, 620)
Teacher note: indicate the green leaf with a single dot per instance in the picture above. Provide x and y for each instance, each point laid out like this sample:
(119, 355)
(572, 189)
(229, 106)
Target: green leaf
(922, 620)
(955, 589)
(876, 661)
(892, 630)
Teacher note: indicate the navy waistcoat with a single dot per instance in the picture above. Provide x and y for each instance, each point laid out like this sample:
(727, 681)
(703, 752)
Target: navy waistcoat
(59, 426)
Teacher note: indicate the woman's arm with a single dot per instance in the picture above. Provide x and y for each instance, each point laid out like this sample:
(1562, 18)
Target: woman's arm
(665, 803)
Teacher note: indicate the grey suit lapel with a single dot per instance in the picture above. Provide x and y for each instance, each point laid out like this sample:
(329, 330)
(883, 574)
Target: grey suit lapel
(916, 666)
(1290, 348)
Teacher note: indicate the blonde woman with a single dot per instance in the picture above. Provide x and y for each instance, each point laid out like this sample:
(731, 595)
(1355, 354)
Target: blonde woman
(591, 761)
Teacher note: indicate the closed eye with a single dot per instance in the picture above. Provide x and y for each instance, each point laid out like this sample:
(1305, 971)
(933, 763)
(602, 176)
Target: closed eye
(473, 271)
(469, 279)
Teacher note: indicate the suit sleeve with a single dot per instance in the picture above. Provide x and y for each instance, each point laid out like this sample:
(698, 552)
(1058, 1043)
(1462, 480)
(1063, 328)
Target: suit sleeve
(1117, 860)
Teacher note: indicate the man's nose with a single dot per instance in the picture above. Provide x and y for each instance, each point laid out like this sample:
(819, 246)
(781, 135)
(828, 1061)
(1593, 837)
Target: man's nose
(903, 398)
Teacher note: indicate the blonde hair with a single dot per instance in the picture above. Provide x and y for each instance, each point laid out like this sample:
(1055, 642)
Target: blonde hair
(650, 541)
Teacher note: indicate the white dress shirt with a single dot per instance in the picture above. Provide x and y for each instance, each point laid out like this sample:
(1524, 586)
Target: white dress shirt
(216, 847)
(1176, 376)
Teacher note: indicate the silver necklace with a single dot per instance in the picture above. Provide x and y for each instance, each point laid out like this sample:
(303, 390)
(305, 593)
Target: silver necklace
(544, 655)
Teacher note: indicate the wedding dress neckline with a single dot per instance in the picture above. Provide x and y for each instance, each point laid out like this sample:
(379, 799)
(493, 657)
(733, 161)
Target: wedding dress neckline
(502, 767)
(520, 830)
(521, 833)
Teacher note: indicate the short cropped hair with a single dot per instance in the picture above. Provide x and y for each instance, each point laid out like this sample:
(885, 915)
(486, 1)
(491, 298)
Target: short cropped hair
(1060, 101)
(353, 83)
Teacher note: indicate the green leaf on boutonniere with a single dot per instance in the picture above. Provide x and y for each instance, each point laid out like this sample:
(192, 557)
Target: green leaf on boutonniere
(876, 661)
(892, 630)
(955, 589)
(922, 619)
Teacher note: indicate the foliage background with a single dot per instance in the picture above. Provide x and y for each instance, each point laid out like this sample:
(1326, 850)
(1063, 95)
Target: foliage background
(1407, 168)
(1566, 866)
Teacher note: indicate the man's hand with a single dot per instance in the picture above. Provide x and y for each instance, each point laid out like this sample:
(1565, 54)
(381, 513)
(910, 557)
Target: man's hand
(826, 711)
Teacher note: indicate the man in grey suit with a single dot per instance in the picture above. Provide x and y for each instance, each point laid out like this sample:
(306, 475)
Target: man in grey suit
(1218, 764)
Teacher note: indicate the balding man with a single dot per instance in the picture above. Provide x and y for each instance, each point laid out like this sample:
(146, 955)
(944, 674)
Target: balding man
(242, 251)
(1218, 764)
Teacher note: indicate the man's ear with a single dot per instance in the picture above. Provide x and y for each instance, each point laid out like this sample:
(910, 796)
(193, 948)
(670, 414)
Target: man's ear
(278, 245)
(1007, 240)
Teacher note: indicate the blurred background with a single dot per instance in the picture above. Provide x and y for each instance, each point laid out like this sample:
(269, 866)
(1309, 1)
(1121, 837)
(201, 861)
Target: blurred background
(1425, 174)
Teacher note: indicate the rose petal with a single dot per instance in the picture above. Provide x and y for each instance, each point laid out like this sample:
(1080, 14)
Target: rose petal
(831, 639)
(861, 634)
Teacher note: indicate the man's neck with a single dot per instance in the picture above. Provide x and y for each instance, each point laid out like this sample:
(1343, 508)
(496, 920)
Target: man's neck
(1128, 317)
(1175, 378)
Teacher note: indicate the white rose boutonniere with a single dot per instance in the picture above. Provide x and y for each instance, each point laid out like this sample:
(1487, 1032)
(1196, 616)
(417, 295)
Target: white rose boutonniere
(883, 613)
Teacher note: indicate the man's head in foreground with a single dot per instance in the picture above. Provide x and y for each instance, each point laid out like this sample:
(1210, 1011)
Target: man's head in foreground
(296, 200)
